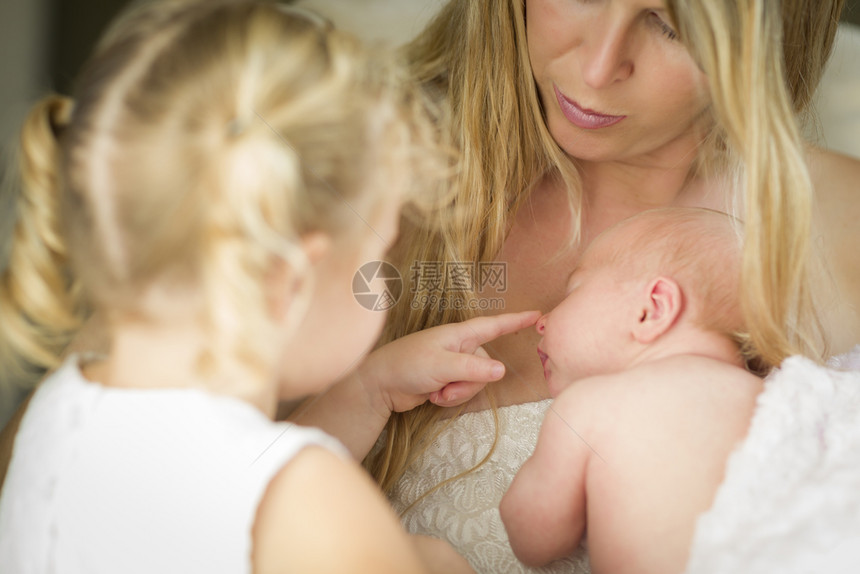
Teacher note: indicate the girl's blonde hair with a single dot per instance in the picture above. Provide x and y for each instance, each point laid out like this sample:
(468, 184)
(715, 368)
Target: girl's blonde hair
(205, 139)
(764, 60)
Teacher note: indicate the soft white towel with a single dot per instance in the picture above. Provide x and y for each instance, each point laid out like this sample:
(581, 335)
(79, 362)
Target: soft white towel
(790, 502)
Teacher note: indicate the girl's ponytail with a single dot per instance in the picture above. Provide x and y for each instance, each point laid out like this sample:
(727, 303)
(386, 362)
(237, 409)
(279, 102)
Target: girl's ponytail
(40, 306)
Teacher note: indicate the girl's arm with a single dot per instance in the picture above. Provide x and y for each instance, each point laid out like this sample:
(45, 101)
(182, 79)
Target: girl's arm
(444, 364)
(544, 509)
(323, 514)
(438, 556)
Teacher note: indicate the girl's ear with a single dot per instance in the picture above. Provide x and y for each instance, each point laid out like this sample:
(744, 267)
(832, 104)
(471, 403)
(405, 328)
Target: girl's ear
(316, 246)
(284, 282)
(661, 306)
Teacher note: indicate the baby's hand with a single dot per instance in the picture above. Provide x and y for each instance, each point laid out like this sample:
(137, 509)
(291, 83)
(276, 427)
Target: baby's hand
(443, 364)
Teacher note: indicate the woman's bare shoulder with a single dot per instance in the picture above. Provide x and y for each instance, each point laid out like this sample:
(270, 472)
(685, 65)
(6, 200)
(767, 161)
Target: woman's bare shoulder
(836, 181)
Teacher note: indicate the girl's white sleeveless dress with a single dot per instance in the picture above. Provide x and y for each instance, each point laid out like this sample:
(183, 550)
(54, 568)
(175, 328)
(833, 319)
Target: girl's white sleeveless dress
(106, 480)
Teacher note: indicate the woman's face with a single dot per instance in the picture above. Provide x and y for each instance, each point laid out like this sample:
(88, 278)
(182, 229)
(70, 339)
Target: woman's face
(614, 80)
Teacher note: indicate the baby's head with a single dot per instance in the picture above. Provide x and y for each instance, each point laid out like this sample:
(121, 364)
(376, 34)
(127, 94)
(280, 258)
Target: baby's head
(640, 286)
(220, 155)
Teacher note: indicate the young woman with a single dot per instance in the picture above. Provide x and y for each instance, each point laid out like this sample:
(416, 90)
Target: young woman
(571, 116)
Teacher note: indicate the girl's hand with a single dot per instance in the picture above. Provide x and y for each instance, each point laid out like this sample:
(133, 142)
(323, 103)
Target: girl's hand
(443, 364)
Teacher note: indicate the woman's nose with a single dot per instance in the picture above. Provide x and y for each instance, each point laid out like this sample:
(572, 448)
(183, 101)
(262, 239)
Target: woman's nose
(540, 326)
(607, 55)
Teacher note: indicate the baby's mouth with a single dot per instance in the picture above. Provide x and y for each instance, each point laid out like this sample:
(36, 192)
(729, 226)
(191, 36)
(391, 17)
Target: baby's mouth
(543, 358)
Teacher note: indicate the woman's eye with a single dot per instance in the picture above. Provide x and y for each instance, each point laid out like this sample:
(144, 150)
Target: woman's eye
(663, 27)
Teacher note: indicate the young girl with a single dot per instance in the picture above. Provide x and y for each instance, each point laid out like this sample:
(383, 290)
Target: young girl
(224, 169)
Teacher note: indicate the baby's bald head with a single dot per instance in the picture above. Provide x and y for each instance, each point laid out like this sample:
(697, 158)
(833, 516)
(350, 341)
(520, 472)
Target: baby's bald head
(699, 249)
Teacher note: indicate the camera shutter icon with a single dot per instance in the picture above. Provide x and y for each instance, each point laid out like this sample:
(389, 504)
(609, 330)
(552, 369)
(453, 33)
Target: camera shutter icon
(377, 286)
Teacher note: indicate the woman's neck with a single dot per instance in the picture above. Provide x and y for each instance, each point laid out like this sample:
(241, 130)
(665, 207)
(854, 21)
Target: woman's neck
(613, 191)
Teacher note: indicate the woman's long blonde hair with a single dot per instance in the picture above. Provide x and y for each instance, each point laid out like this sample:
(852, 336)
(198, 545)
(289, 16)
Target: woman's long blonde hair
(205, 138)
(764, 59)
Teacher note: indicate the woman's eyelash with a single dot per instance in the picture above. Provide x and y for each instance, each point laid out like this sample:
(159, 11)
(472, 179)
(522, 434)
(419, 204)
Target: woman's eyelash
(668, 31)
(664, 28)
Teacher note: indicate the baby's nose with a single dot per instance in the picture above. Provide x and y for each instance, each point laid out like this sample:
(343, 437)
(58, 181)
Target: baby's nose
(541, 324)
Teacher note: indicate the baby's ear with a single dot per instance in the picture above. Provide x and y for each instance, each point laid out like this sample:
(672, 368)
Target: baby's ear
(661, 304)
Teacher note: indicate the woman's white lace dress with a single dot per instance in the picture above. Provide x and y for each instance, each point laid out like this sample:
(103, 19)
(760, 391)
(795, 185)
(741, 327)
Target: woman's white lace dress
(465, 512)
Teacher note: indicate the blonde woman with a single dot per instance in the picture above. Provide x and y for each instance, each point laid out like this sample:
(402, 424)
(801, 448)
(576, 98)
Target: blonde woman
(711, 93)
(223, 170)
(572, 115)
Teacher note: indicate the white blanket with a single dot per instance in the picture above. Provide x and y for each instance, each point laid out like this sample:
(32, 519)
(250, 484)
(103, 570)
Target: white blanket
(790, 502)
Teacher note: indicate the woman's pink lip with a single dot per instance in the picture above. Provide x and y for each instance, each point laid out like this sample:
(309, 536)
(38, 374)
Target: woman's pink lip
(582, 117)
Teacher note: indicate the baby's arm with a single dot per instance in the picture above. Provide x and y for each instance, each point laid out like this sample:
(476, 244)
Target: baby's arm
(323, 514)
(544, 509)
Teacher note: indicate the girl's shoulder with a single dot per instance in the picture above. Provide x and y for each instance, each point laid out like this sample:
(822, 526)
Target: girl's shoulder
(322, 513)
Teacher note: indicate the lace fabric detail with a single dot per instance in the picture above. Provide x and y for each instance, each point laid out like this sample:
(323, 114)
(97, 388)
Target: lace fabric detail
(465, 512)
